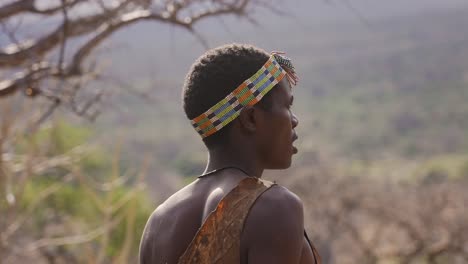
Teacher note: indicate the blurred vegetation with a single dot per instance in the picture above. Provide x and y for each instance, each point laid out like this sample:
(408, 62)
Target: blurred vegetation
(382, 165)
(396, 91)
(92, 210)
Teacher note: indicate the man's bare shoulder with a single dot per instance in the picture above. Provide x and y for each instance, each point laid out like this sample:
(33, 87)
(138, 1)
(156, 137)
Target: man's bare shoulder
(165, 210)
(175, 203)
(276, 209)
(274, 230)
(166, 224)
(277, 200)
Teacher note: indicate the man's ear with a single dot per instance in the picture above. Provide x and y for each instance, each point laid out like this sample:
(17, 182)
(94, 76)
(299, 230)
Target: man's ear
(248, 119)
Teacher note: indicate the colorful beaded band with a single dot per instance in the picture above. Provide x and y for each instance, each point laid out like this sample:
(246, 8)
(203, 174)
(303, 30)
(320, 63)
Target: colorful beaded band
(249, 92)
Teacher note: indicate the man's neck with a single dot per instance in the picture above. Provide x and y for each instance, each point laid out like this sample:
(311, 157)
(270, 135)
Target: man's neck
(232, 157)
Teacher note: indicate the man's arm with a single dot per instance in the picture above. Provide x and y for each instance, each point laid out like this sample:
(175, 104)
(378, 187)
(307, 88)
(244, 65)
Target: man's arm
(147, 242)
(148, 254)
(274, 229)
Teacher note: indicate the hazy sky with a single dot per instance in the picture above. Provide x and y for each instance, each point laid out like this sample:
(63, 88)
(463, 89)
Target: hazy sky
(159, 38)
(343, 9)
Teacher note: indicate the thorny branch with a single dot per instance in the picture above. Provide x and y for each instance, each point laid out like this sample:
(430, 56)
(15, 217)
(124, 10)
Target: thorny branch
(33, 59)
(29, 6)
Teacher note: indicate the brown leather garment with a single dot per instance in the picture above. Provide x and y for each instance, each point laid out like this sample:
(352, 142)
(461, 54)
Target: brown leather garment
(218, 240)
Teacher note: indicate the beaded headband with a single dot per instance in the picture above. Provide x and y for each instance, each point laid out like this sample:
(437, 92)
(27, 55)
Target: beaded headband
(250, 92)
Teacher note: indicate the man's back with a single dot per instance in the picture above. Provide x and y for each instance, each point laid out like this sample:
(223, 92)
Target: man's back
(270, 231)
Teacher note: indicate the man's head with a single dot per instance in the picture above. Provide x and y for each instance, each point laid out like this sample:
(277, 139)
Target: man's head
(216, 74)
(220, 71)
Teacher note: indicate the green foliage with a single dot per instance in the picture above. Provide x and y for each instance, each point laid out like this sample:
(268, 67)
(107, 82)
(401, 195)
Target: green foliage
(94, 197)
(140, 207)
(189, 165)
(60, 137)
(70, 200)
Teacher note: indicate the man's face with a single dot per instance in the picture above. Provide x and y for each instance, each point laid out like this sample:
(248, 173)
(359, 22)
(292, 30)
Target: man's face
(276, 129)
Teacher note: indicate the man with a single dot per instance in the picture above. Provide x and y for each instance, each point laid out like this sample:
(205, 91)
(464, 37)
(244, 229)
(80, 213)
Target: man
(239, 100)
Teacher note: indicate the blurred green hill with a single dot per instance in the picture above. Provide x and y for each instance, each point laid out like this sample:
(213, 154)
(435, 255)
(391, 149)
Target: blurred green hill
(396, 89)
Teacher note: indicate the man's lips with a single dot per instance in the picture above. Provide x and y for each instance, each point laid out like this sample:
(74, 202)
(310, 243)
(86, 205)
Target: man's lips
(294, 150)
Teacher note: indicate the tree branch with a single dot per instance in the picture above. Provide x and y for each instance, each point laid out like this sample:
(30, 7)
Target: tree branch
(33, 57)
(24, 6)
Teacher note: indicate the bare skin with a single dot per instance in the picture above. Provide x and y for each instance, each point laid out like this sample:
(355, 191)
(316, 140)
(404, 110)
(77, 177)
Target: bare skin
(274, 229)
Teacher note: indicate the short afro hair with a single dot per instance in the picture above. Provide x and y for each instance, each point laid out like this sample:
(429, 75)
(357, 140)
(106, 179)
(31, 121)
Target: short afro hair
(216, 74)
